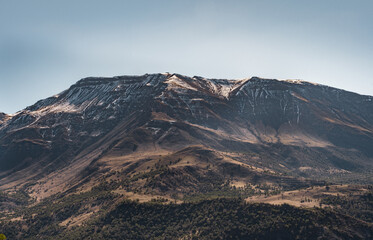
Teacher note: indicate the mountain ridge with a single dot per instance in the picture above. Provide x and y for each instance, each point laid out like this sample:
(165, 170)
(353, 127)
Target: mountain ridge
(102, 125)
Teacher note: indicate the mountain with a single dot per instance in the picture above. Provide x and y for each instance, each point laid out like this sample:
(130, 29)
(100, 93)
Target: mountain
(165, 155)
(250, 131)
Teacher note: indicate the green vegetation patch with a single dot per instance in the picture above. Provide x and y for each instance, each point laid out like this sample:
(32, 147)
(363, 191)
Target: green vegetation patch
(218, 219)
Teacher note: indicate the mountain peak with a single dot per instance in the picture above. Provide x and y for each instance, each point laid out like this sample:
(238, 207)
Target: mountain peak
(222, 87)
(104, 121)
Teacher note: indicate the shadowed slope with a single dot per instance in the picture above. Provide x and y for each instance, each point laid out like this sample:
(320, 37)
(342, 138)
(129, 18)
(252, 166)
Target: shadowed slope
(102, 125)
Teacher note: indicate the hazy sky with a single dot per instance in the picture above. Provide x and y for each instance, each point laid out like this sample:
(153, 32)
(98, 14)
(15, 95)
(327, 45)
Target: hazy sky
(45, 46)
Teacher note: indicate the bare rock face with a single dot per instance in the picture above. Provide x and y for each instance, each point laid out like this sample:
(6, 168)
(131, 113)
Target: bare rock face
(293, 127)
(3, 116)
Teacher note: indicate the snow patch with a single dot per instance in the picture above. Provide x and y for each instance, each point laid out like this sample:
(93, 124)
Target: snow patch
(299, 82)
(175, 82)
(96, 133)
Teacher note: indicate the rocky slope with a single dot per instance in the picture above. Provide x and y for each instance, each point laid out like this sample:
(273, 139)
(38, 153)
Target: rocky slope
(169, 133)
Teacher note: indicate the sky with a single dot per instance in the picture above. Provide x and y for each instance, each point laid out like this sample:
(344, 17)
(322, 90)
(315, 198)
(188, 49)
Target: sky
(48, 45)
